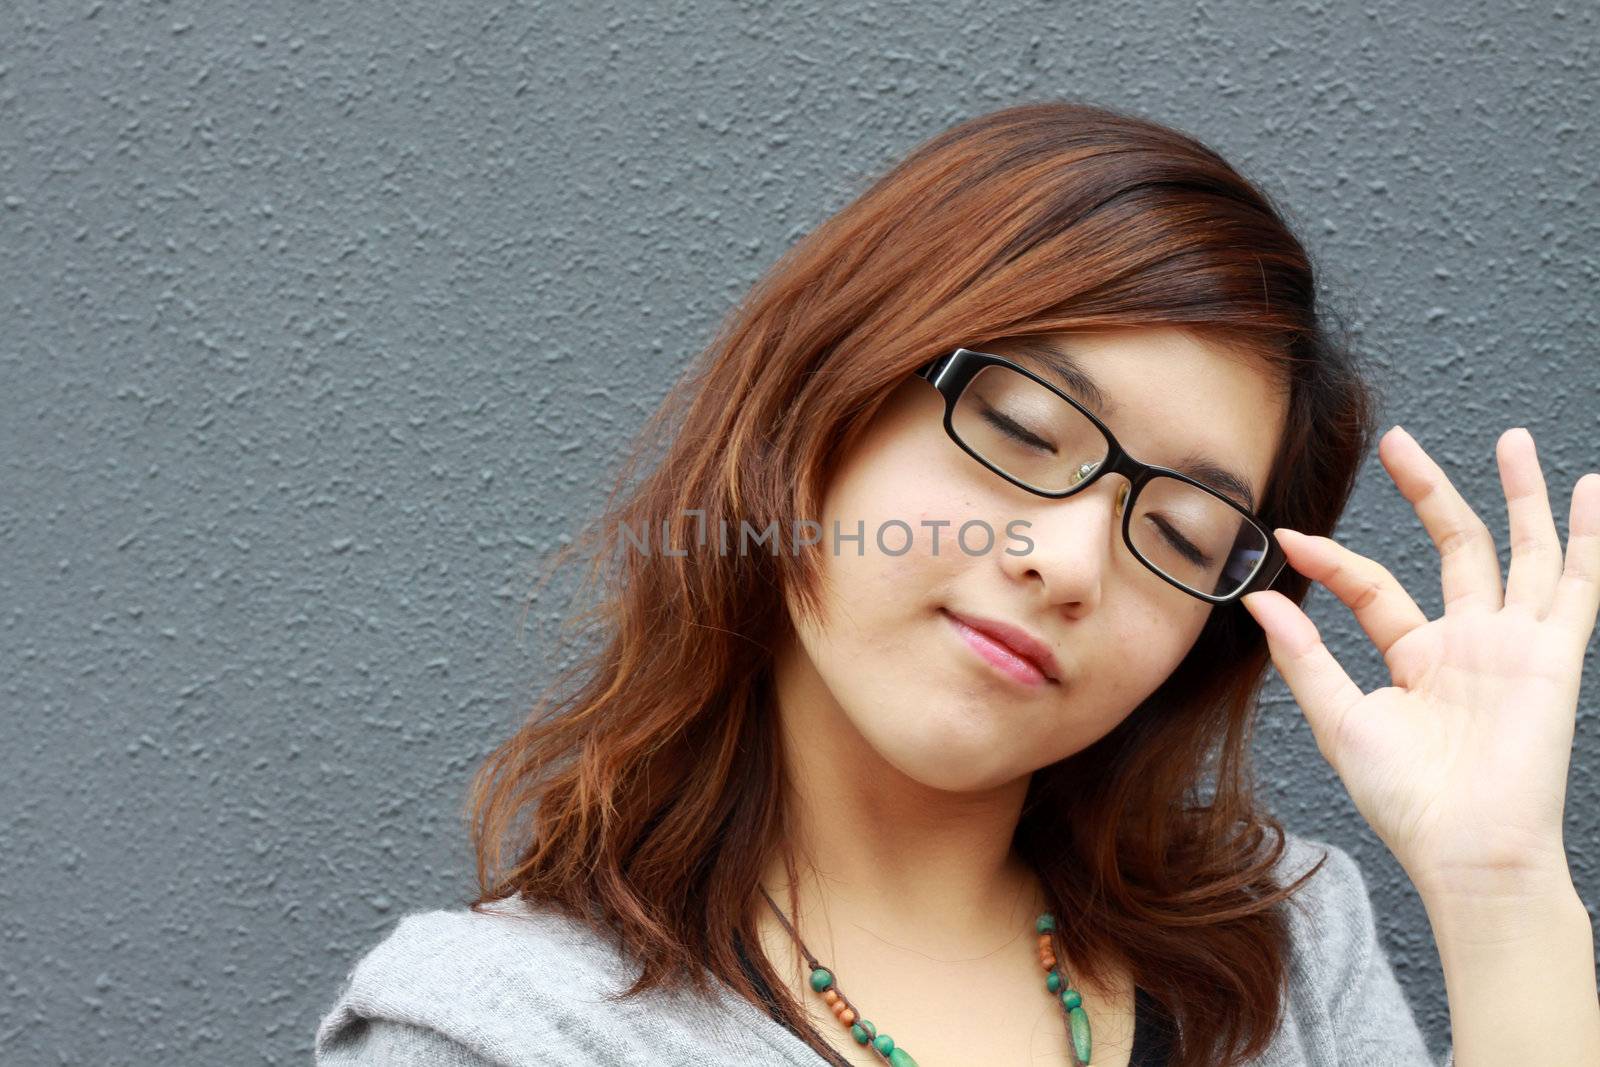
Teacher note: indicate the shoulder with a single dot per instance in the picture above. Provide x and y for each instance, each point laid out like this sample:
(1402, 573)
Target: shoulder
(1341, 992)
(508, 984)
(1330, 893)
(464, 947)
(1330, 915)
(1342, 988)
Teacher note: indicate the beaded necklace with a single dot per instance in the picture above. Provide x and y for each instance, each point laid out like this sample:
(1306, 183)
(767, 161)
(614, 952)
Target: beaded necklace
(864, 1033)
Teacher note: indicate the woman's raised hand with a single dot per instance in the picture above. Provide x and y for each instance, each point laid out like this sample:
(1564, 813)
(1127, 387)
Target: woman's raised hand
(1460, 765)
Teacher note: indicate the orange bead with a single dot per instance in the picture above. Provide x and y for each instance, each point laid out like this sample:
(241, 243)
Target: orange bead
(831, 996)
(1049, 963)
(1044, 941)
(848, 1017)
(839, 1009)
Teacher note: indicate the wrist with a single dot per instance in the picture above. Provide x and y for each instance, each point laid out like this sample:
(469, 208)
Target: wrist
(1504, 907)
(1532, 872)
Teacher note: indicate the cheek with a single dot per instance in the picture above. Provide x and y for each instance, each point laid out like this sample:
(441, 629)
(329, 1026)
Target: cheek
(874, 596)
(902, 534)
(1153, 643)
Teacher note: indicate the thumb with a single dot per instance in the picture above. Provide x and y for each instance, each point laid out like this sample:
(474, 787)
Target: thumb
(1325, 693)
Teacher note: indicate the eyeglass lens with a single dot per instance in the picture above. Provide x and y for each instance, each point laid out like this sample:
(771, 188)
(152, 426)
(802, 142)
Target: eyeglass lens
(1039, 439)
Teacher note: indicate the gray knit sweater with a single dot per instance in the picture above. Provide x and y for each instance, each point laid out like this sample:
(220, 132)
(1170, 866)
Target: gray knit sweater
(520, 987)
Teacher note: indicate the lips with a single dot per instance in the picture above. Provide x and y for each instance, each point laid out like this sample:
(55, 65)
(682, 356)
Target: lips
(1016, 640)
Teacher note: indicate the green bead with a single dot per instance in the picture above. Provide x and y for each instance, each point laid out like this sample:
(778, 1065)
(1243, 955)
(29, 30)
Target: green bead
(899, 1057)
(1071, 998)
(821, 979)
(1079, 1021)
(1053, 983)
(1046, 923)
(883, 1043)
(858, 1032)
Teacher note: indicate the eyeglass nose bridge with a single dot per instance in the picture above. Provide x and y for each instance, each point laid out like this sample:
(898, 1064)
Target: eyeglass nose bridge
(1116, 461)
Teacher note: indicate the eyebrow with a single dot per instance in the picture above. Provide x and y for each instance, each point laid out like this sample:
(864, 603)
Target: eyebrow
(1070, 373)
(1197, 464)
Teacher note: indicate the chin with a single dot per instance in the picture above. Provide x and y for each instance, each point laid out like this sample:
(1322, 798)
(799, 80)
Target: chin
(949, 749)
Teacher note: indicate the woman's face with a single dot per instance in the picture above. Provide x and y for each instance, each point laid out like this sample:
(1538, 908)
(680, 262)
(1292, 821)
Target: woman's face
(929, 696)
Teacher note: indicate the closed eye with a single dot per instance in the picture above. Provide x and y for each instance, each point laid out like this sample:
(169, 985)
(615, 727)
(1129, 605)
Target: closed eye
(1016, 431)
(1181, 543)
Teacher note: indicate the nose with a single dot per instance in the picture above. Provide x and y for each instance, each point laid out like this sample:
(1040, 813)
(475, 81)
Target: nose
(1075, 541)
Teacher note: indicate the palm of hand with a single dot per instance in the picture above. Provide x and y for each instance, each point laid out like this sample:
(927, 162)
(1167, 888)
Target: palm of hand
(1460, 765)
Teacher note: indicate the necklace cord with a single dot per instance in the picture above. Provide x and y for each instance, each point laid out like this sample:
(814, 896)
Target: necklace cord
(842, 1006)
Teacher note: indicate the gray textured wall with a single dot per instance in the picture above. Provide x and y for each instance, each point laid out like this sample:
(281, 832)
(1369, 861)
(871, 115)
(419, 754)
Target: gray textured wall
(323, 322)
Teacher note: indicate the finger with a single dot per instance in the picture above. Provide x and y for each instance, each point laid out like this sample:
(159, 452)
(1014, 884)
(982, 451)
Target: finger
(1381, 605)
(1535, 544)
(1469, 563)
(1577, 597)
(1320, 686)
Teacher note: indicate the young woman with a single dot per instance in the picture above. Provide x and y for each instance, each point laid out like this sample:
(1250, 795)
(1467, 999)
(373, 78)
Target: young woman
(916, 725)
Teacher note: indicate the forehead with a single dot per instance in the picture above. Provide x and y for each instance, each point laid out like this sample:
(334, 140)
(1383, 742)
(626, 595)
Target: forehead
(1170, 396)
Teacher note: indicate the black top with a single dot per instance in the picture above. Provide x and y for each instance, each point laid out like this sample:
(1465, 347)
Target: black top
(1150, 1033)
(1150, 1048)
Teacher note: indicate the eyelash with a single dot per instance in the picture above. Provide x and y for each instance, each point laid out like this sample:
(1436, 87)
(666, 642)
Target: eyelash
(1017, 432)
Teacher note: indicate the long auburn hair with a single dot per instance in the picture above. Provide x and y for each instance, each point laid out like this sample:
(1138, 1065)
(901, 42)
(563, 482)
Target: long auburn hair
(645, 790)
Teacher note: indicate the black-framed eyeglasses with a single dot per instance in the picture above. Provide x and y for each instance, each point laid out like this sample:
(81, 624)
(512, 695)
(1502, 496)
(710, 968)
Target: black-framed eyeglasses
(1042, 440)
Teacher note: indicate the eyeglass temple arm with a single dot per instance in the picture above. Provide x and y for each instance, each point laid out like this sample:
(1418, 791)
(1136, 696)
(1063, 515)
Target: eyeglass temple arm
(1276, 562)
(930, 369)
